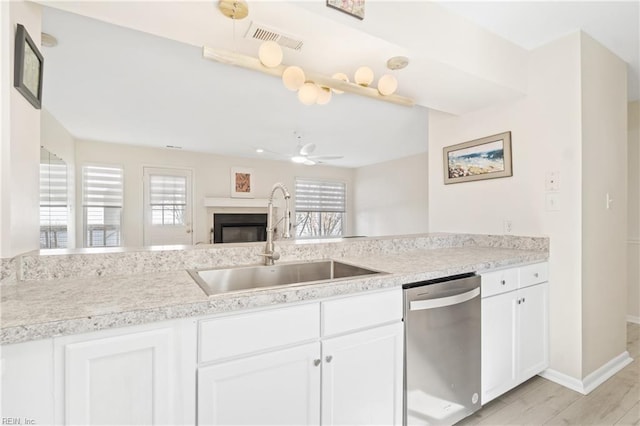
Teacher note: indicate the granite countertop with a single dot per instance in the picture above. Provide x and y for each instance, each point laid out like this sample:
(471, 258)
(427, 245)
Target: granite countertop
(40, 309)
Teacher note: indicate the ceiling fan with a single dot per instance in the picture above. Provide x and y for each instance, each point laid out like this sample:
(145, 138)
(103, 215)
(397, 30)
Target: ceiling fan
(304, 151)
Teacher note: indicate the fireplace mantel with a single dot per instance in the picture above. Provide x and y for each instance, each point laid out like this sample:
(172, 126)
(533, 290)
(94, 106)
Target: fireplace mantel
(239, 202)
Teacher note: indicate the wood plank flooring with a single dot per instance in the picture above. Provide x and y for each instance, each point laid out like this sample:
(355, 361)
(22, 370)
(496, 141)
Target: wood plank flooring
(542, 402)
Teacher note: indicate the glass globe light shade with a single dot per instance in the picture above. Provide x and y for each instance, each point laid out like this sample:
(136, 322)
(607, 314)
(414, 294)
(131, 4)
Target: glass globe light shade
(293, 78)
(342, 77)
(308, 93)
(298, 159)
(270, 54)
(324, 96)
(363, 76)
(387, 84)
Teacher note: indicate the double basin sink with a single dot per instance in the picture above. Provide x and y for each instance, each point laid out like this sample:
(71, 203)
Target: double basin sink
(225, 280)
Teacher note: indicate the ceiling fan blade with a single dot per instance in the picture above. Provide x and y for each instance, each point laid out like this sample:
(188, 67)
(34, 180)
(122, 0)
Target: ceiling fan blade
(307, 148)
(325, 157)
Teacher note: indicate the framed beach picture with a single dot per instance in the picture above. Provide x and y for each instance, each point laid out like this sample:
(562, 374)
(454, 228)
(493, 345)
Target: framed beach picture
(241, 182)
(485, 158)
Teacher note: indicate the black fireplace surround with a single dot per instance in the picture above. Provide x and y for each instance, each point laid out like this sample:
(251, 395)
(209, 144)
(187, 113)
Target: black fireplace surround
(239, 227)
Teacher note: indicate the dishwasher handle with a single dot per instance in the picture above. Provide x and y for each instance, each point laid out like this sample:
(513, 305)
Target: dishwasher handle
(418, 305)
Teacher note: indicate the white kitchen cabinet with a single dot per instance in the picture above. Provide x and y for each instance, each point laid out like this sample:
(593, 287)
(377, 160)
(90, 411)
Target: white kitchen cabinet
(27, 382)
(142, 375)
(362, 377)
(351, 373)
(280, 387)
(515, 337)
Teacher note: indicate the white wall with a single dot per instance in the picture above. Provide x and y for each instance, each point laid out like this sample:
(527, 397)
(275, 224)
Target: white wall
(604, 230)
(57, 140)
(546, 136)
(20, 142)
(211, 177)
(574, 106)
(633, 191)
(391, 198)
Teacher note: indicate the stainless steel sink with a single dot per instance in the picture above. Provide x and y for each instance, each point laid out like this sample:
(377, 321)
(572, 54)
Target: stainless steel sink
(224, 280)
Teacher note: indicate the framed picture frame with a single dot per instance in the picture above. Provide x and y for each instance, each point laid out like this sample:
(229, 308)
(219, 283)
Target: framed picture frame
(354, 8)
(241, 182)
(479, 159)
(28, 66)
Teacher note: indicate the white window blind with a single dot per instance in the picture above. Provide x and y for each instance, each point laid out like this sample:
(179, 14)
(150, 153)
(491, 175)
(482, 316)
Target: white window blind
(53, 205)
(168, 199)
(102, 186)
(320, 196)
(102, 195)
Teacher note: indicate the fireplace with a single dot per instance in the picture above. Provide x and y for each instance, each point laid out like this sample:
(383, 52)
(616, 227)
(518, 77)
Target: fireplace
(239, 227)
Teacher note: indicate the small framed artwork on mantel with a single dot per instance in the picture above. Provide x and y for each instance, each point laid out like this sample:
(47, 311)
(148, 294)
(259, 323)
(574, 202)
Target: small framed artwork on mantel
(28, 64)
(485, 158)
(241, 182)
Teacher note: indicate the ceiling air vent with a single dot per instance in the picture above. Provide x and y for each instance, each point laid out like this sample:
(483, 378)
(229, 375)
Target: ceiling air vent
(260, 32)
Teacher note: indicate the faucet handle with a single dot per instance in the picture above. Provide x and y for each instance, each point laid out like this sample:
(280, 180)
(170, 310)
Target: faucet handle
(275, 255)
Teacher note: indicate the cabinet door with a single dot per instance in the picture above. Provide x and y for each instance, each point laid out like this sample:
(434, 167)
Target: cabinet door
(275, 388)
(27, 389)
(137, 378)
(362, 377)
(498, 345)
(533, 333)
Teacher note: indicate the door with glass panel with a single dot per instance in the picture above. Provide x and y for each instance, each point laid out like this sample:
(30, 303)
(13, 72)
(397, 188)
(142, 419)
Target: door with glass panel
(167, 206)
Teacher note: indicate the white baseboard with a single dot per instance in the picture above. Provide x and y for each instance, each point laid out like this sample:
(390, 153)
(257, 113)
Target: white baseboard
(633, 319)
(594, 379)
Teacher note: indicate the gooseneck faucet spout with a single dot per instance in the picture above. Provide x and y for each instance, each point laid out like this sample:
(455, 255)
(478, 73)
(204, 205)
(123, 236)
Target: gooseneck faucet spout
(270, 255)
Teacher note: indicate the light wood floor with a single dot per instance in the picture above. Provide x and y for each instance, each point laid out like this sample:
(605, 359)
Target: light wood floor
(540, 401)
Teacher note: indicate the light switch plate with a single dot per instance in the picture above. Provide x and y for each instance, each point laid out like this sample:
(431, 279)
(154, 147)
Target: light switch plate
(552, 202)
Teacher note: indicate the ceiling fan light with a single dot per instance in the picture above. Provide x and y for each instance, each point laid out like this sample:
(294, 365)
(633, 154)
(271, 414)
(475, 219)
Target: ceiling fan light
(293, 78)
(270, 54)
(342, 77)
(308, 162)
(363, 76)
(308, 93)
(299, 159)
(387, 85)
(324, 96)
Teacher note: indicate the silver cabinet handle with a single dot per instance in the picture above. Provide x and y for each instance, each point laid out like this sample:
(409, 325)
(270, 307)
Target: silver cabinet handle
(535, 275)
(316, 362)
(503, 282)
(523, 300)
(328, 358)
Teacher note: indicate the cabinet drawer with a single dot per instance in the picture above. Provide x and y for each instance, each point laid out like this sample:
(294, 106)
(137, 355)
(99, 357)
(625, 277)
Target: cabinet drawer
(251, 332)
(534, 274)
(361, 311)
(497, 282)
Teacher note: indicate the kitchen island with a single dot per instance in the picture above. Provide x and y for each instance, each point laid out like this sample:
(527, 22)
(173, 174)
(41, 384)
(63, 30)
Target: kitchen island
(78, 292)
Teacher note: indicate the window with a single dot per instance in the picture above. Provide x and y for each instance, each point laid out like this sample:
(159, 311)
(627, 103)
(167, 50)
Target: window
(168, 199)
(54, 216)
(102, 190)
(320, 208)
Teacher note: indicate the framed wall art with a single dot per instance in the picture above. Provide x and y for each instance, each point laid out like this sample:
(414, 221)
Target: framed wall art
(485, 158)
(241, 182)
(354, 8)
(28, 65)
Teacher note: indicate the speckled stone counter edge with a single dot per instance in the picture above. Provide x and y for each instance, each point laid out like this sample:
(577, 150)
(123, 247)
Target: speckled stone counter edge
(35, 266)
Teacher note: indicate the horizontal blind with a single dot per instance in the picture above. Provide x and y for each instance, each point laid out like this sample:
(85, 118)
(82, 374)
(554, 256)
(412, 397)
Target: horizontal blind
(53, 185)
(167, 190)
(320, 196)
(102, 186)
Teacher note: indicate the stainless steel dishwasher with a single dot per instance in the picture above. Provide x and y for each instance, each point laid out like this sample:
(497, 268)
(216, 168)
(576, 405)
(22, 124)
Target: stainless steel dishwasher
(442, 350)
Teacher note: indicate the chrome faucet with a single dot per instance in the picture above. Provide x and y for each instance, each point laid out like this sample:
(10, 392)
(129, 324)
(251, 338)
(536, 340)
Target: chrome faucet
(270, 255)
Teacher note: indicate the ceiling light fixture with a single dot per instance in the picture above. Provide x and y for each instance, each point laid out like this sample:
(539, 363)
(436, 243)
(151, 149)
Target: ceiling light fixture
(312, 88)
